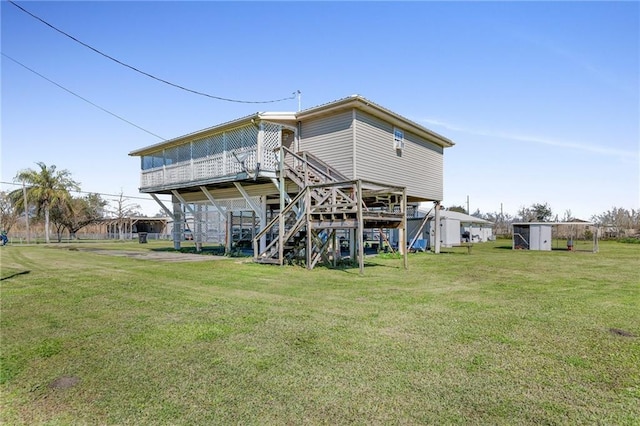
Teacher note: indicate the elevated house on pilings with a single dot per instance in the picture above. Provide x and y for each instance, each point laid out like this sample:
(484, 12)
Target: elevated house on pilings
(310, 181)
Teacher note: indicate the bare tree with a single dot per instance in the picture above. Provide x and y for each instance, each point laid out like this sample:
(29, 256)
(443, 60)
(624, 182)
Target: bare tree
(537, 212)
(501, 222)
(635, 220)
(8, 213)
(616, 221)
(526, 215)
(568, 216)
(124, 209)
(478, 214)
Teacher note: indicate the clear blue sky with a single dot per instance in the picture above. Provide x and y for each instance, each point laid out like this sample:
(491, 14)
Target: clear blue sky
(541, 98)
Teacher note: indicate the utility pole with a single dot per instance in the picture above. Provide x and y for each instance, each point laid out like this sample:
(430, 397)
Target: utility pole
(468, 211)
(26, 211)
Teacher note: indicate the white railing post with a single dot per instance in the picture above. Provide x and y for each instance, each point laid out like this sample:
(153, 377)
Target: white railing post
(259, 148)
(224, 153)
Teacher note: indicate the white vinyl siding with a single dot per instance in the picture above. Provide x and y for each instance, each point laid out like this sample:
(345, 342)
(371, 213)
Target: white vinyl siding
(418, 167)
(330, 139)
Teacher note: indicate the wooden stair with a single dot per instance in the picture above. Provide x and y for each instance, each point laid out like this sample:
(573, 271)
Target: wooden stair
(303, 232)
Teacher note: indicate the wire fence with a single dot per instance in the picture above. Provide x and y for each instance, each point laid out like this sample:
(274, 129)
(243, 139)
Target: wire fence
(39, 237)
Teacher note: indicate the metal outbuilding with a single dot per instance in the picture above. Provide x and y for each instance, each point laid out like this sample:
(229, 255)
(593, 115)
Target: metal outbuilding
(539, 235)
(455, 228)
(532, 236)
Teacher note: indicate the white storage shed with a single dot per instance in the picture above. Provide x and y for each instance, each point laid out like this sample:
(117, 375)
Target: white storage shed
(532, 236)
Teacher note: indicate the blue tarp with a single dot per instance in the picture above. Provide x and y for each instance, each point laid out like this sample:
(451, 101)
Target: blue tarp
(419, 245)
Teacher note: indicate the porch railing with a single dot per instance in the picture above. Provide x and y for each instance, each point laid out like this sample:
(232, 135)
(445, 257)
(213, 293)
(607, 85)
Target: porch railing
(229, 154)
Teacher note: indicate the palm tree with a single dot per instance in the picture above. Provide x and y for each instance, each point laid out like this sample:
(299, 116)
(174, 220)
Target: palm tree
(45, 187)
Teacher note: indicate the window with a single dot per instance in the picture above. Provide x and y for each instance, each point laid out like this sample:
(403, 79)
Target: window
(170, 156)
(152, 161)
(398, 139)
(184, 152)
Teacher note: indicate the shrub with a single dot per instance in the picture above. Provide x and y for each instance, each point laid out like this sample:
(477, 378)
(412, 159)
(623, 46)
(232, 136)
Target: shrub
(629, 240)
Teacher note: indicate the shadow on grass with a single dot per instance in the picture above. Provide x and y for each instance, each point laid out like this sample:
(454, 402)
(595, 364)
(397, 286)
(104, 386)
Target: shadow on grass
(14, 275)
(370, 265)
(456, 252)
(355, 269)
(552, 249)
(504, 247)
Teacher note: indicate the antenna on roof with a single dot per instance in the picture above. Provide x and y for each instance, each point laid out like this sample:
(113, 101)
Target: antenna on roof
(299, 93)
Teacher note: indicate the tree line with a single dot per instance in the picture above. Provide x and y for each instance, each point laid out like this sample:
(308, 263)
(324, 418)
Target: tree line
(46, 196)
(615, 223)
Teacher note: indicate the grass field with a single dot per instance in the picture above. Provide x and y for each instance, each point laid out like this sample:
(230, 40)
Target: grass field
(495, 337)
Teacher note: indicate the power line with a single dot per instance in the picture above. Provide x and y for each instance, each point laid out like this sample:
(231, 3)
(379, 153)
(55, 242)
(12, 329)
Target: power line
(146, 73)
(92, 192)
(78, 96)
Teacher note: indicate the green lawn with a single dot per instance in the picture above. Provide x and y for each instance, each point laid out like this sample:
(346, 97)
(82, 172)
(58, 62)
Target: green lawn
(495, 337)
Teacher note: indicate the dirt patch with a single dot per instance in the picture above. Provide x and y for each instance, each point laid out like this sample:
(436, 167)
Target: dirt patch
(619, 332)
(152, 255)
(64, 382)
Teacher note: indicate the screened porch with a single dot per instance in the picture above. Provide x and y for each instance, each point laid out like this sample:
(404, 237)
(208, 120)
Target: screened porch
(238, 153)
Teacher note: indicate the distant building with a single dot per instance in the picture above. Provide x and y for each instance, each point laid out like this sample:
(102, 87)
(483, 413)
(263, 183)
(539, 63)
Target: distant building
(130, 226)
(455, 228)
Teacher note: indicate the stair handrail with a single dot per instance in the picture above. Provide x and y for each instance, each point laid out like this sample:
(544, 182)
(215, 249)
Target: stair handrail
(320, 165)
(287, 236)
(330, 173)
(287, 208)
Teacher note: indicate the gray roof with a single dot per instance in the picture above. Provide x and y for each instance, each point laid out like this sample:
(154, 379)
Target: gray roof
(462, 217)
(354, 101)
(577, 222)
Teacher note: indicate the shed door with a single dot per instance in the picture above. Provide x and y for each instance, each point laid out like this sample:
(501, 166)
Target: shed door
(545, 238)
(534, 242)
(540, 237)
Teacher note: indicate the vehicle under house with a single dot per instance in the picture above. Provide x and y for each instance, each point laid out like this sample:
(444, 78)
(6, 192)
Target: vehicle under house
(298, 186)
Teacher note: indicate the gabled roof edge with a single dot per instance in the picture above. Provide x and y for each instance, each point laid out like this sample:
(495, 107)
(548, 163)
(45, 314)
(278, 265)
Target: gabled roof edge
(365, 104)
(354, 101)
